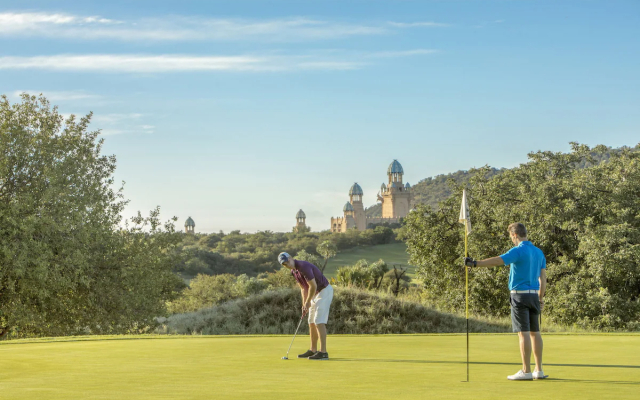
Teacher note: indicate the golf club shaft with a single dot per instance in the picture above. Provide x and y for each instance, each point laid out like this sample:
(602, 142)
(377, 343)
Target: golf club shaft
(294, 335)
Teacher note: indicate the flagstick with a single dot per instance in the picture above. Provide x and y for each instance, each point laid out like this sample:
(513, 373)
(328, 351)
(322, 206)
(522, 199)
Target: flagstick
(466, 273)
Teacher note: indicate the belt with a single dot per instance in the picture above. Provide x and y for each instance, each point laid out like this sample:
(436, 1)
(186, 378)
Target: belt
(524, 291)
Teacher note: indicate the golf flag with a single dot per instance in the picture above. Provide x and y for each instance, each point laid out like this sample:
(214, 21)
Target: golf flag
(464, 212)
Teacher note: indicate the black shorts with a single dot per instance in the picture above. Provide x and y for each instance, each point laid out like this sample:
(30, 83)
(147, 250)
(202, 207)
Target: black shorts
(525, 312)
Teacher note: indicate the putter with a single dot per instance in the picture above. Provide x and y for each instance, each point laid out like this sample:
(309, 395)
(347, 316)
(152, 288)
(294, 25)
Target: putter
(294, 338)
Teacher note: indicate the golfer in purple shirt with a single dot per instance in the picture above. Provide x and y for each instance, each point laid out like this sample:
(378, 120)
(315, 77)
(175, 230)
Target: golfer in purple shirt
(317, 295)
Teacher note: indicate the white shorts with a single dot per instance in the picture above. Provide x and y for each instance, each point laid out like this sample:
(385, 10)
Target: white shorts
(319, 310)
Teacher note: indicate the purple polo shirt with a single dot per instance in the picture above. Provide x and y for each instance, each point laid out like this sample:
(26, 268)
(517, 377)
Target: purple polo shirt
(305, 271)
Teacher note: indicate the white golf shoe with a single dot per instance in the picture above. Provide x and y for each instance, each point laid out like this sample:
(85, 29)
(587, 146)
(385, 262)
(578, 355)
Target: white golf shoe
(539, 375)
(521, 376)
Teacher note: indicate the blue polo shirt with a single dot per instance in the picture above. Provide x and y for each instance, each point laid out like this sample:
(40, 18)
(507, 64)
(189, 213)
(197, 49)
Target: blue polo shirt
(526, 261)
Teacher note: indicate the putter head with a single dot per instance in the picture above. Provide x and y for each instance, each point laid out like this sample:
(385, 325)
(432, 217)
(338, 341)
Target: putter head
(285, 358)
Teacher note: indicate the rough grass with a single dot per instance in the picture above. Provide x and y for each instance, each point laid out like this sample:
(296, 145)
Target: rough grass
(394, 253)
(352, 312)
(581, 367)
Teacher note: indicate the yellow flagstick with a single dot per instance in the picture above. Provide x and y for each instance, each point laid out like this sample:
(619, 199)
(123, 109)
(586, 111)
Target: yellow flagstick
(466, 273)
(464, 218)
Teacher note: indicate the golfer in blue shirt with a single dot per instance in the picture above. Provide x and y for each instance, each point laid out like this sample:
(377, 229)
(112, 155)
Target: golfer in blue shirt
(527, 284)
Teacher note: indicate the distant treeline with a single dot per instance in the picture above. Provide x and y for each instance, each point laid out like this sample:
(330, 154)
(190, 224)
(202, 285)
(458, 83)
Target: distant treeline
(254, 253)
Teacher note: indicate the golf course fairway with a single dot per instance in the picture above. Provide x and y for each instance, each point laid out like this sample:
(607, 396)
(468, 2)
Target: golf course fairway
(361, 367)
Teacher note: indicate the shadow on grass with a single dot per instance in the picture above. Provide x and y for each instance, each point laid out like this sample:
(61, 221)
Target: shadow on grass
(560, 380)
(483, 363)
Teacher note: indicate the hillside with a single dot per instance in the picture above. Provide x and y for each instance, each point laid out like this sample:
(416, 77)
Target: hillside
(435, 189)
(353, 311)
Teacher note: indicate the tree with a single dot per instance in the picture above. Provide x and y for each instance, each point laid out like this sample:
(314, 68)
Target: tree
(302, 255)
(327, 250)
(67, 263)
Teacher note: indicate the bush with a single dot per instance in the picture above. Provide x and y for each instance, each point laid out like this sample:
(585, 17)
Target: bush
(362, 275)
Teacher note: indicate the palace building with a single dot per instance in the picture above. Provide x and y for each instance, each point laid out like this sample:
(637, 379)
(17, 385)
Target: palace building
(396, 198)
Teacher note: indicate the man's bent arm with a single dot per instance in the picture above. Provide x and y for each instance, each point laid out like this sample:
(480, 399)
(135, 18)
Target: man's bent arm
(490, 262)
(543, 283)
(312, 290)
(303, 293)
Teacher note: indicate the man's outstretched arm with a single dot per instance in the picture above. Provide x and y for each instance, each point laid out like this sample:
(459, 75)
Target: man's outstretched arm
(487, 262)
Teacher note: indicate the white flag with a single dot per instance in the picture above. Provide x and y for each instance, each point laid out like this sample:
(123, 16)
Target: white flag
(464, 212)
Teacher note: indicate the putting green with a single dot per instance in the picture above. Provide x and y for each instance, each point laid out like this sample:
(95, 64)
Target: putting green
(361, 367)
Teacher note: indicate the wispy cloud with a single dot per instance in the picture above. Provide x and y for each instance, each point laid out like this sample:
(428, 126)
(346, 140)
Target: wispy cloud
(405, 53)
(115, 118)
(60, 96)
(119, 124)
(114, 63)
(418, 24)
(188, 28)
(20, 22)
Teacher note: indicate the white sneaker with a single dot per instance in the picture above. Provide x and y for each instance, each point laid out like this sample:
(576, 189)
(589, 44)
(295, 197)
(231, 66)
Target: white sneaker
(521, 376)
(539, 375)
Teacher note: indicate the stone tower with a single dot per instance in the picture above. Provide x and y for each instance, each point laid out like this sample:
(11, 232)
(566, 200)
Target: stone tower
(189, 226)
(301, 225)
(395, 196)
(355, 197)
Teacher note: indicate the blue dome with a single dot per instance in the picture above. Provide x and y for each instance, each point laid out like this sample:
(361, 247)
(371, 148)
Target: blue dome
(407, 185)
(355, 190)
(301, 214)
(189, 222)
(347, 207)
(383, 187)
(395, 168)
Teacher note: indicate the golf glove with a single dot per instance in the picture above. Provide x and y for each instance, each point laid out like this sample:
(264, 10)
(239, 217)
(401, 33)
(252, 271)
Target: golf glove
(469, 262)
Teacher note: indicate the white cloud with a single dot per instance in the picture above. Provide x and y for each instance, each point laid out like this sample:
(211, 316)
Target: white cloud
(405, 53)
(191, 63)
(131, 63)
(59, 96)
(189, 28)
(114, 118)
(418, 24)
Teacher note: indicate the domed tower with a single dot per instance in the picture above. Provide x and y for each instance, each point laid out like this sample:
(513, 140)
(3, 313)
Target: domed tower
(395, 172)
(301, 225)
(348, 209)
(189, 226)
(396, 199)
(355, 197)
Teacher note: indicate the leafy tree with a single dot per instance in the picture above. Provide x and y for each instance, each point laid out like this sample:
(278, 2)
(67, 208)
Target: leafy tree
(304, 256)
(327, 250)
(67, 263)
(581, 211)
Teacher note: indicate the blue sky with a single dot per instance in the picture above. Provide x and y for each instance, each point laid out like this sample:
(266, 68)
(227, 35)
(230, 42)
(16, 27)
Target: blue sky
(239, 113)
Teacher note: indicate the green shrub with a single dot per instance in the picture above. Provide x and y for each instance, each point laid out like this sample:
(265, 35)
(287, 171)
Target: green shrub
(362, 275)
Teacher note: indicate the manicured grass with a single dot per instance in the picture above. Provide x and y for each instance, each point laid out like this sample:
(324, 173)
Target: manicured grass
(394, 253)
(361, 367)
